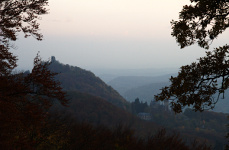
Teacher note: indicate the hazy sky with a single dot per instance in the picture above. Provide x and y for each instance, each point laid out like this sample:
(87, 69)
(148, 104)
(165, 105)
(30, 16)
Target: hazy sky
(110, 34)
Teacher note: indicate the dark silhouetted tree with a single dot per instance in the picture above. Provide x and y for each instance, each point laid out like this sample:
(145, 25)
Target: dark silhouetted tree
(20, 16)
(137, 106)
(24, 104)
(24, 98)
(17, 16)
(201, 83)
(201, 22)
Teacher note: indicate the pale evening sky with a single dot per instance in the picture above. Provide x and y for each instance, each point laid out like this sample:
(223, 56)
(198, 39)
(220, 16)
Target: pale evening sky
(110, 34)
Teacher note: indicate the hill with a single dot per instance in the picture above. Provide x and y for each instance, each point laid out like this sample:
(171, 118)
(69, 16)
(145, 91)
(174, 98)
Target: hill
(125, 83)
(77, 79)
(88, 104)
(145, 87)
(97, 111)
(145, 93)
(223, 103)
(94, 110)
(108, 75)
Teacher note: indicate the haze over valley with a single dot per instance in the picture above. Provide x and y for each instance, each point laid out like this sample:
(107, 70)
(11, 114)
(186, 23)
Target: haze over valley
(114, 74)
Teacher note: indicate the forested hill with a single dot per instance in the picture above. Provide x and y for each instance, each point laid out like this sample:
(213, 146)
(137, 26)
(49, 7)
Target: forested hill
(76, 79)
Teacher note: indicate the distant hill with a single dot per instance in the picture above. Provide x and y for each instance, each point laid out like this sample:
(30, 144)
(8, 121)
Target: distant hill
(125, 83)
(144, 93)
(109, 74)
(76, 79)
(223, 104)
(145, 87)
(142, 87)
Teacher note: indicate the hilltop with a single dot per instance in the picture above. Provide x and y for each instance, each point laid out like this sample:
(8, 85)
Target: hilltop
(73, 78)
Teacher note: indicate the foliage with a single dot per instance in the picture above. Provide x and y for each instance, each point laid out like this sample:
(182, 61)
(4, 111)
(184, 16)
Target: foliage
(20, 15)
(122, 138)
(95, 110)
(25, 101)
(76, 79)
(17, 16)
(200, 84)
(205, 126)
(137, 106)
(84, 136)
(174, 142)
(201, 22)
(24, 98)
(197, 84)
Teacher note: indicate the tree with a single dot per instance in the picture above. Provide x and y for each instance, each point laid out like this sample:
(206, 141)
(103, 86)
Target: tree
(24, 105)
(201, 83)
(137, 106)
(17, 16)
(21, 15)
(24, 98)
(201, 22)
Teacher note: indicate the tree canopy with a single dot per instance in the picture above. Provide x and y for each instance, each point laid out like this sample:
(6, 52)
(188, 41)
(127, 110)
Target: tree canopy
(18, 16)
(201, 22)
(25, 98)
(201, 83)
(21, 15)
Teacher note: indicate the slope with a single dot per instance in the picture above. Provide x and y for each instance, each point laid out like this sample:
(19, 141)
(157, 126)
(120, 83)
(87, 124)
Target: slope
(145, 93)
(94, 110)
(77, 79)
(125, 83)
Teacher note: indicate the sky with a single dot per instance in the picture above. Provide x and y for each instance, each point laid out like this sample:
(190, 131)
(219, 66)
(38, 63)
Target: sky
(124, 34)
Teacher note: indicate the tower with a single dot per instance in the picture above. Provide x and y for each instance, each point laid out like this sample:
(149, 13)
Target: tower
(53, 59)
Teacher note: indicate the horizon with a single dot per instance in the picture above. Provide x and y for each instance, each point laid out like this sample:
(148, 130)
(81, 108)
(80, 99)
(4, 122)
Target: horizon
(110, 34)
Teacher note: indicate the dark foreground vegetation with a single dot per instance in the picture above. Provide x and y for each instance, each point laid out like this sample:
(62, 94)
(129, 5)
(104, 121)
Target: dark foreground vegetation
(90, 105)
(61, 132)
(35, 112)
(207, 126)
(83, 136)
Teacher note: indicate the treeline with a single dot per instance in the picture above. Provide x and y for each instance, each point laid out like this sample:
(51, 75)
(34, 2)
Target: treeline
(73, 78)
(26, 119)
(62, 132)
(208, 126)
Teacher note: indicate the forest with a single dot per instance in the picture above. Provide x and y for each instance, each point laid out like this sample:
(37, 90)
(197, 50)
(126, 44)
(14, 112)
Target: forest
(60, 106)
